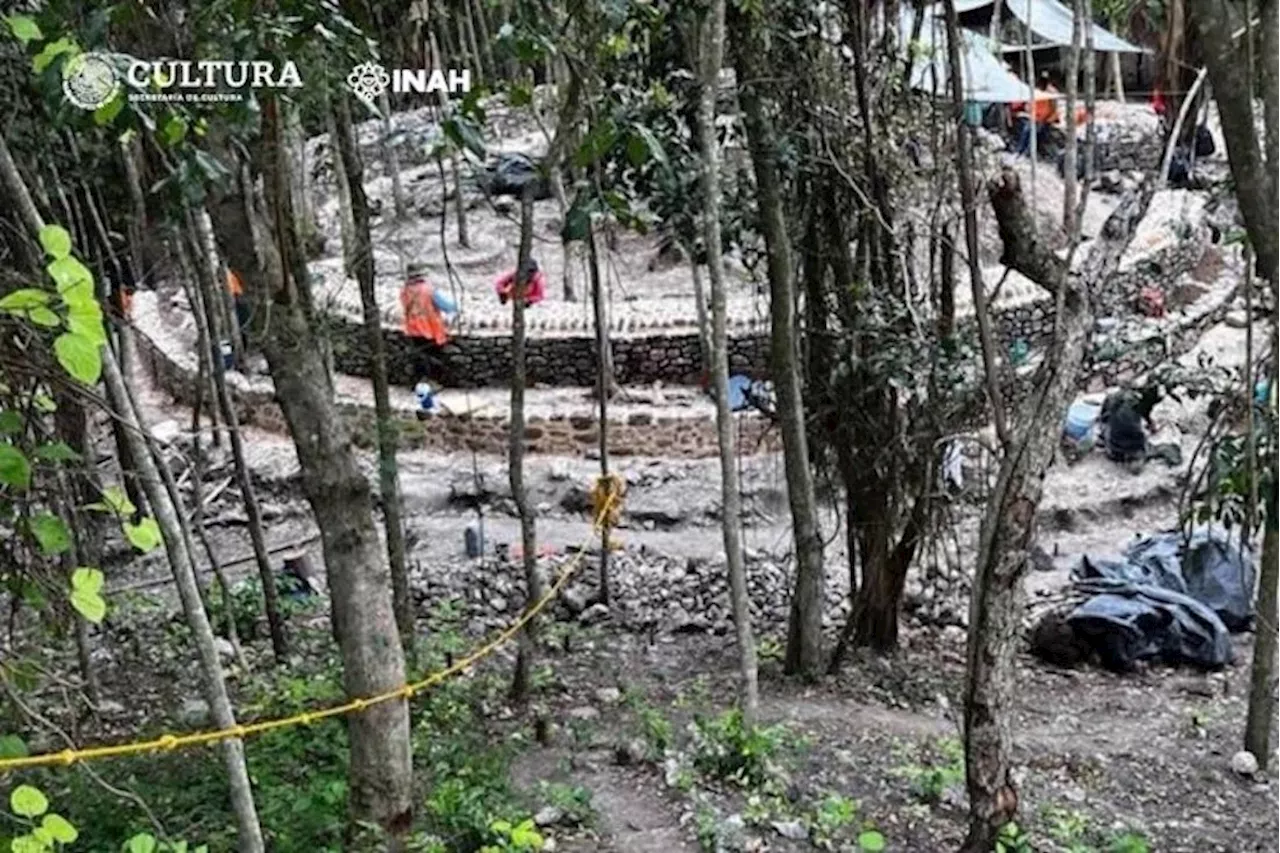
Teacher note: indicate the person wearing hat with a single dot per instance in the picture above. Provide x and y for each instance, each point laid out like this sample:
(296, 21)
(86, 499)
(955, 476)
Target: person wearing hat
(535, 285)
(425, 319)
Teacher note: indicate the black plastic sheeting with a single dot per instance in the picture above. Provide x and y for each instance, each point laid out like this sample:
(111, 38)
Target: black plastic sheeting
(1166, 602)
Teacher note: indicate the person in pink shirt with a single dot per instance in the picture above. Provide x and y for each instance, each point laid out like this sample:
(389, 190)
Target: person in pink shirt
(535, 289)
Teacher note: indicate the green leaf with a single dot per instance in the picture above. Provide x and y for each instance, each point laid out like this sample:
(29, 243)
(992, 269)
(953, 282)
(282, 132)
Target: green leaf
(44, 317)
(464, 134)
(80, 356)
(28, 844)
(56, 241)
(85, 319)
(44, 403)
(25, 299)
(27, 801)
(10, 422)
(174, 130)
(50, 533)
(24, 29)
(14, 469)
(52, 51)
(107, 113)
(576, 224)
(871, 841)
(67, 273)
(656, 150)
(521, 95)
(115, 501)
(11, 746)
(86, 594)
(145, 535)
(59, 828)
(56, 451)
(141, 843)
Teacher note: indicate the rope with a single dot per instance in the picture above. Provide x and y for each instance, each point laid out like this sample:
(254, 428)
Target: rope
(170, 742)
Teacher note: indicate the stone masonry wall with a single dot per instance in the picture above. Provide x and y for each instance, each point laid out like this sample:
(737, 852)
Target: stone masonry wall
(484, 361)
(640, 434)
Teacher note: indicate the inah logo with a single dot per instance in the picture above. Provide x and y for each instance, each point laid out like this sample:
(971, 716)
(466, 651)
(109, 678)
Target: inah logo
(368, 80)
(89, 80)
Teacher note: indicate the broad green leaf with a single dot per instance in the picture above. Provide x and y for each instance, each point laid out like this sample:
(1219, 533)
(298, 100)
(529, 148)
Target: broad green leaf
(656, 151)
(11, 746)
(59, 828)
(10, 422)
(115, 501)
(142, 843)
(28, 844)
(871, 841)
(52, 51)
(85, 319)
(25, 299)
(576, 223)
(90, 605)
(56, 451)
(44, 317)
(27, 801)
(50, 533)
(24, 29)
(80, 356)
(145, 535)
(87, 579)
(56, 241)
(107, 113)
(67, 273)
(15, 470)
(637, 151)
(43, 837)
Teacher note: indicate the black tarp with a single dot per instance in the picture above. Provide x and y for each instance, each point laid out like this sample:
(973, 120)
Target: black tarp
(1167, 599)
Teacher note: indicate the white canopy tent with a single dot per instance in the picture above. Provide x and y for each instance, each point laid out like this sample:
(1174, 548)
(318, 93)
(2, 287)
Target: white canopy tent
(1053, 23)
(986, 77)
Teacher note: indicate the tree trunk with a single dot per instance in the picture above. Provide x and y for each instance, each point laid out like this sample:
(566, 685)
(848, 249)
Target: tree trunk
(700, 309)
(1258, 730)
(604, 381)
(1008, 523)
(346, 224)
(390, 162)
(731, 510)
(1070, 182)
(388, 471)
(467, 22)
(515, 460)
(381, 773)
(205, 290)
(804, 635)
(168, 517)
(221, 304)
(304, 214)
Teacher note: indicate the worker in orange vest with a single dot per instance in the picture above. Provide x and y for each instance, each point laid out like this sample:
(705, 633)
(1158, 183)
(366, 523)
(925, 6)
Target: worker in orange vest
(236, 286)
(425, 319)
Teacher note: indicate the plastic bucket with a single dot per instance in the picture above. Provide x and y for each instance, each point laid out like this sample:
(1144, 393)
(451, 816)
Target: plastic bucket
(1081, 417)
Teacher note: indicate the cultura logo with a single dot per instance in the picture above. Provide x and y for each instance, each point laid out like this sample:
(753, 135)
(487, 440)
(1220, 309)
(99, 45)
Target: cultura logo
(89, 80)
(92, 80)
(368, 80)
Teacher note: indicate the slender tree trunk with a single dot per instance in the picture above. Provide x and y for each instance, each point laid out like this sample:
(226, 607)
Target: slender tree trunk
(381, 773)
(459, 200)
(168, 517)
(1259, 726)
(304, 216)
(731, 511)
(481, 24)
(467, 22)
(1008, 523)
(515, 461)
(390, 160)
(346, 223)
(1117, 77)
(604, 380)
(138, 222)
(388, 471)
(206, 290)
(1069, 180)
(700, 310)
(804, 636)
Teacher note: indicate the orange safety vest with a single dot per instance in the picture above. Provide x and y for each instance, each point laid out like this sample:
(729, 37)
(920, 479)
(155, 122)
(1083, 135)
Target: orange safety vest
(234, 284)
(422, 319)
